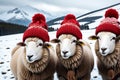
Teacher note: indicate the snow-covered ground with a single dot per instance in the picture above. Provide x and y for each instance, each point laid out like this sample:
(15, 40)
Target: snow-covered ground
(7, 43)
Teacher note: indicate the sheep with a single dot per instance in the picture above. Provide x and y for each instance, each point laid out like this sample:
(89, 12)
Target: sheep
(75, 59)
(33, 60)
(107, 49)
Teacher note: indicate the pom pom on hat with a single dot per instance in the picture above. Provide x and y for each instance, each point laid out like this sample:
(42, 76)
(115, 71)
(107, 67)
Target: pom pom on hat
(110, 23)
(37, 28)
(70, 26)
(111, 13)
(70, 18)
(38, 17)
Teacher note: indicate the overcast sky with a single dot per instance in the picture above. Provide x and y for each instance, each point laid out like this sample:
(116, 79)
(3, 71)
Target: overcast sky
(58, 4)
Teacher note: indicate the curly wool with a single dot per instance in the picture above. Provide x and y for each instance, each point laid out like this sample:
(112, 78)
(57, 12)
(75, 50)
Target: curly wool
(76, 64)
(23, 70)
(38, 66)
(112, 60)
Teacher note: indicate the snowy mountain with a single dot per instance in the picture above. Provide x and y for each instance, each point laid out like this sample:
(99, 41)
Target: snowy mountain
(8, 42)
(22, 15)
(88, 18)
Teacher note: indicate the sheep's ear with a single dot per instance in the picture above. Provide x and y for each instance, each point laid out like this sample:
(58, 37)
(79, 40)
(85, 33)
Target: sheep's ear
(93, 37)
(80, 43)
(117, 38)
(55, 41)
(21, 44)
(47, 45)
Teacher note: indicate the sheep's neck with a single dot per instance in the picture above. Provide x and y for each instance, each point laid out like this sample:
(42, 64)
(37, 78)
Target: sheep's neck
(38, 66)
(112, 60)
(74, 61)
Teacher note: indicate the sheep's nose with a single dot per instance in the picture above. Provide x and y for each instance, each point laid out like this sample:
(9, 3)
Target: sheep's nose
(103, 49)
(30, 56)
(64, 52)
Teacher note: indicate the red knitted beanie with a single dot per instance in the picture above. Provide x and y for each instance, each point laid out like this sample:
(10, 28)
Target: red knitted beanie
(37, 28)
(70, 26)
(110, 23)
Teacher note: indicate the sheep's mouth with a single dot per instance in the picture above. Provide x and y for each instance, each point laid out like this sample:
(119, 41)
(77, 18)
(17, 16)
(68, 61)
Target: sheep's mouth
(103, 54)
(30, 61)
(65, 57)
(29, 58)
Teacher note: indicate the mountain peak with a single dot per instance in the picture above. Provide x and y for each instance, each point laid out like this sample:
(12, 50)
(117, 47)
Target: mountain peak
(15, 10)
(22, 15)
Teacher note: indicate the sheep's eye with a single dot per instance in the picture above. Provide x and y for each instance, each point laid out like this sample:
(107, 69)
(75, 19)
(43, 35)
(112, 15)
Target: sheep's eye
(98, 37)
(113, 38)
(59, 41)
(40, 44)
(74, 41)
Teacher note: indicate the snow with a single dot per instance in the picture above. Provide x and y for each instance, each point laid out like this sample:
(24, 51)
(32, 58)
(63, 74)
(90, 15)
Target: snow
(8, 43)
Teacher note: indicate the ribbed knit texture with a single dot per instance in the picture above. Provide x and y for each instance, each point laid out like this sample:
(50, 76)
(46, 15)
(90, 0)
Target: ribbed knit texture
(110, 23)
(70, 26)
(37, 28)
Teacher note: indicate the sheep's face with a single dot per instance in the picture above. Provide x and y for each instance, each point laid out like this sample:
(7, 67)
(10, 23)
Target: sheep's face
(33, 49)
(106, 42)
(67, 46)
